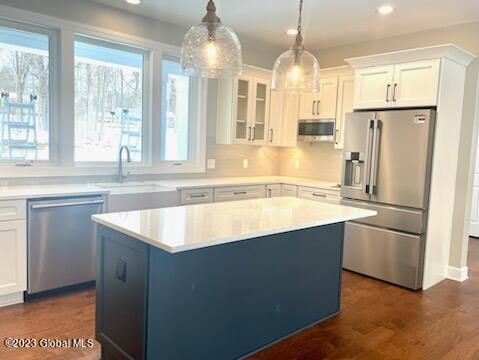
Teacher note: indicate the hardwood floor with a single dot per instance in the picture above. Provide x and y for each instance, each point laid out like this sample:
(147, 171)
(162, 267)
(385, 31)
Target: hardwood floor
(378, 321)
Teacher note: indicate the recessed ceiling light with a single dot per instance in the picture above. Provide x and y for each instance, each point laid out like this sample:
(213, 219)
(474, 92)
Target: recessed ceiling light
(385, 9)
(133, 2)
(292, 32)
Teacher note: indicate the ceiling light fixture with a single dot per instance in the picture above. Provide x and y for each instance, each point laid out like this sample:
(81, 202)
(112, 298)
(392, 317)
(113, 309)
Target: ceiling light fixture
(292, 32)
(211, 49)
(385, 10)
(296, 70)
(133, 2)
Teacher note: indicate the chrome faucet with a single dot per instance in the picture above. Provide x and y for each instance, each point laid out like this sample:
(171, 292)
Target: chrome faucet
(120, 162)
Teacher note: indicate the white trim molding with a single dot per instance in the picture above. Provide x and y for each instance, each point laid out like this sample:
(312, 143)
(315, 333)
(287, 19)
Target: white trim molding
(457, 274)
(448, 51)
(11, 299)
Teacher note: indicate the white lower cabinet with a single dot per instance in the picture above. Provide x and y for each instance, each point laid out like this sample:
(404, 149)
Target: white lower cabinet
(13, 259)
(329, 196)
(239, 192)
(273, 190)
(196, 196)
(289, 190)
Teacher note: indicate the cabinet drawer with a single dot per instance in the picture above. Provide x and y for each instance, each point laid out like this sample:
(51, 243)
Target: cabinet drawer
(330, 196)
(13, 210)
(289, 190)
(240, 192)
(196, 196)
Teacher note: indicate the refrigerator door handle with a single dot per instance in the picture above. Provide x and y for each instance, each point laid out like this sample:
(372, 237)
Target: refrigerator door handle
(375, 156)
(367, 173)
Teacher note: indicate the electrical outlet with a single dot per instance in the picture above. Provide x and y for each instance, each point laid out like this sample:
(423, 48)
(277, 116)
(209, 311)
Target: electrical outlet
(245, 163)
(296, 164)
(210, 163)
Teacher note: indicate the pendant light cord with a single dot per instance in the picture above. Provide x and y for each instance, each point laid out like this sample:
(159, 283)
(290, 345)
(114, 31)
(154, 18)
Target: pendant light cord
(300, 18)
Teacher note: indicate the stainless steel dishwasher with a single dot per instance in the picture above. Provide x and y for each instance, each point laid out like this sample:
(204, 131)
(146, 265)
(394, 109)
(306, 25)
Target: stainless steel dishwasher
(61, 242)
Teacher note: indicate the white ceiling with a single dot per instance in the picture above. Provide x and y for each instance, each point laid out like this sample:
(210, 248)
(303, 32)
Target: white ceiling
(327, 23)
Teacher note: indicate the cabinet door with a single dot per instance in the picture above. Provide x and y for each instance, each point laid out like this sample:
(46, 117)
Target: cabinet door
(243, 108)
(260, 114)
(328, 97)
(416, 84)
(373, 87)
(276, 118)
(289, 190)
(345, 105)
(309, 106)
(13, 256)
(273, 190)
(289, 130)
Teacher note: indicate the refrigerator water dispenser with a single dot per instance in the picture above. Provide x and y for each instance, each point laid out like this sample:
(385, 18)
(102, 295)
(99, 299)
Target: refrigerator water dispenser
(354, 169)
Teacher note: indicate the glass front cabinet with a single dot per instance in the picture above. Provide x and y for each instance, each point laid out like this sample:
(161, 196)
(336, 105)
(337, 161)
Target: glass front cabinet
(243, 119)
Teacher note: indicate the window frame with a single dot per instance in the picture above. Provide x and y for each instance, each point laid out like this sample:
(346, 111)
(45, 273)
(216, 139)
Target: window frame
(52, 87)
(145, 92)
(198, 90)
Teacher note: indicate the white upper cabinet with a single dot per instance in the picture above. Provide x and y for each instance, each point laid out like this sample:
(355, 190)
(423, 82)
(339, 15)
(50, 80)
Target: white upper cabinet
(345, 105)
(328, 97)
(309, 105)
(416, 84)
(372, 87)
(260, 115)
(399, 85)
(243, 106)
(283, 120)
(322, 104)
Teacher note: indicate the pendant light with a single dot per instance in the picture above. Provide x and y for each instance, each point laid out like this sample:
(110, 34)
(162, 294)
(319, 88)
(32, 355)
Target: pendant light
(211, 49)
(296, 70)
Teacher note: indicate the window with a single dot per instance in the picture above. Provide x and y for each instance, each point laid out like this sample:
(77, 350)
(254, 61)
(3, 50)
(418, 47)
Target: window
(176, 111)
(108, 100)
(25, 94)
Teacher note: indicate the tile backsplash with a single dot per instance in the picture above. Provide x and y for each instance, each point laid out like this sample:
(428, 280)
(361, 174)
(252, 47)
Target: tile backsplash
(311, 160)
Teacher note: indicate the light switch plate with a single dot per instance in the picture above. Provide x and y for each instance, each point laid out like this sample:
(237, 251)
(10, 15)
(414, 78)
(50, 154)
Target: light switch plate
(211, 163)
(296, 164)
(245, 163)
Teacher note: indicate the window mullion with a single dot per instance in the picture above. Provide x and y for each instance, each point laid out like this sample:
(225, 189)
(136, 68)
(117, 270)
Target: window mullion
(65, 123)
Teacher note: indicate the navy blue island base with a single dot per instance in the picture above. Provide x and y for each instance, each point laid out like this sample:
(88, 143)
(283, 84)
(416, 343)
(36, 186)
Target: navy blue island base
(219, 302)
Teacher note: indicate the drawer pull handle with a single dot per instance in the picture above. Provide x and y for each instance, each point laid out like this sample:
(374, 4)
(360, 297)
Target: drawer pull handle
(319, 195)
(240, 192)
(193, 196)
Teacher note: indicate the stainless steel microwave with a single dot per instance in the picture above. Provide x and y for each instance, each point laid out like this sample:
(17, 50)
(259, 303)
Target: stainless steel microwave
(316, 130)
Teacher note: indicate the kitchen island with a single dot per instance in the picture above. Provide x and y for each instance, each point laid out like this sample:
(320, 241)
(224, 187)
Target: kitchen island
(218, 280)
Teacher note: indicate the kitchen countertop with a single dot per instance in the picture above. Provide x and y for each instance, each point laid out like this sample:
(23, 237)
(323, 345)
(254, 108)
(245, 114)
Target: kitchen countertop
(181, 184)
(18, 192)
(184, 228)
(42, 191)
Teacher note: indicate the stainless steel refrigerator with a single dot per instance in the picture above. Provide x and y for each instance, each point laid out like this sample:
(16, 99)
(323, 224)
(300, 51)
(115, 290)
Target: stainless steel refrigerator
(387, 160)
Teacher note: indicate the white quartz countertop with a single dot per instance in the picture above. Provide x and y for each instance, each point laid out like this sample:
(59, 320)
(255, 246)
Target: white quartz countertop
(183, 228)
(15, 192)
(41, 191)
(181, 184)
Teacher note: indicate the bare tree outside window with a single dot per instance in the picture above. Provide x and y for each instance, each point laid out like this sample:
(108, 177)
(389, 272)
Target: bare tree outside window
(24, 86)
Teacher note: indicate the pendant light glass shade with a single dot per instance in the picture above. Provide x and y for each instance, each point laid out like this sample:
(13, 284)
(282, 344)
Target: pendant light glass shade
(211, 49)
(296, 70)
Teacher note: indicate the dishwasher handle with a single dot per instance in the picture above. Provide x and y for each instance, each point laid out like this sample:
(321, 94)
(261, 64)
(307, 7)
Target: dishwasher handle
(46, 206)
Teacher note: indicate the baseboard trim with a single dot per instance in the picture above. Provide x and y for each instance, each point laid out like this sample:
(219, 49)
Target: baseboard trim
(11, 299)
(457, 274)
